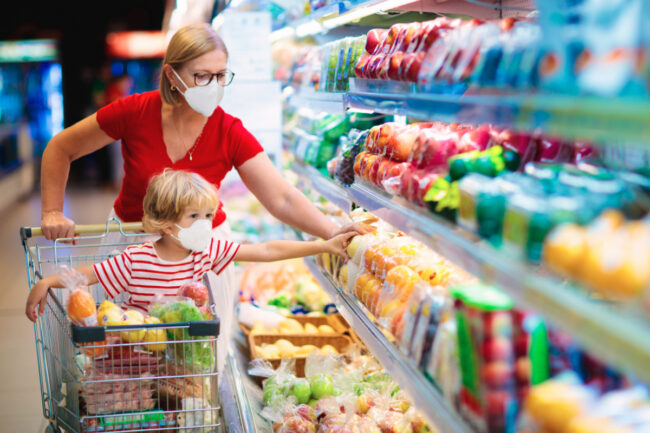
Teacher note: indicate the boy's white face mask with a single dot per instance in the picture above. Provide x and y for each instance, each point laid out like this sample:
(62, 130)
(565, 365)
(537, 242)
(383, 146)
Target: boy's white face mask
(195, 237)
(202, 99)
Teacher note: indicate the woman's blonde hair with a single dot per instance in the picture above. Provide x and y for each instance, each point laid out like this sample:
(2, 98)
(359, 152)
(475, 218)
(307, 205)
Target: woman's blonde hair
(170, 193)
(187, 44)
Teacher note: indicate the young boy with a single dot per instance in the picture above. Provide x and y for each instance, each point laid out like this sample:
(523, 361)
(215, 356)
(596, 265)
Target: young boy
(179, 206)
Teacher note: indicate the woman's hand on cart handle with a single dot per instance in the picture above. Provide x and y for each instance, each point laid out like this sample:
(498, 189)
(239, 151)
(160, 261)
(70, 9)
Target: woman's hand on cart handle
(55, 225)
(37, 296)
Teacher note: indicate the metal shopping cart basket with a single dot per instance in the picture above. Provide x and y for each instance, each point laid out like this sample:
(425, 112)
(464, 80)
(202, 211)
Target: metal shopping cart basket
(137, 378)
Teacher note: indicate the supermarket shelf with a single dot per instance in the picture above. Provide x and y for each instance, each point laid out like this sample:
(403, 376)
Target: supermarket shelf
(588, 118)
(325, 187)
(331, 103)
(618, 337)
(424, 394)
(343, 12)
(241, 397)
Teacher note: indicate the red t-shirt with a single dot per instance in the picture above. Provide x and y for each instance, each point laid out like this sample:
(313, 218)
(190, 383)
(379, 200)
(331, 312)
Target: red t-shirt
(137, 121)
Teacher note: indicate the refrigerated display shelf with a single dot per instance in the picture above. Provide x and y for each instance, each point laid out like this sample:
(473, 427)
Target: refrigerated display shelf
(602, 120)
(327, 102)
(426, 397)
(617, 336)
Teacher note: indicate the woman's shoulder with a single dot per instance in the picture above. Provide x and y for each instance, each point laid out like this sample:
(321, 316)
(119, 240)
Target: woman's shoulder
(227, 122)
(144, 99)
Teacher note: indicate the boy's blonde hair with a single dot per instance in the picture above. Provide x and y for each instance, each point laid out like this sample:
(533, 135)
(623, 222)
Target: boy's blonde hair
(187, 44)
(170, 193)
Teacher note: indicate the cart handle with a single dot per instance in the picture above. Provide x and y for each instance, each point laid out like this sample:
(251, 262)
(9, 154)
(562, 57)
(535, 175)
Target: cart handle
(28, 232)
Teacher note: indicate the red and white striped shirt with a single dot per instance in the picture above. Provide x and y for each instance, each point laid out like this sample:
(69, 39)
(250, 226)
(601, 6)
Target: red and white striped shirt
(139, 271)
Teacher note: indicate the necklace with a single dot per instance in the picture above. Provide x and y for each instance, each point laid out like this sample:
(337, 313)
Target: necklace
(190, 150)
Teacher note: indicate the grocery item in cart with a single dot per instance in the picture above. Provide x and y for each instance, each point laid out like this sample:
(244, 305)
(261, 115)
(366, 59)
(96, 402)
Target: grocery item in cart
(81, 306)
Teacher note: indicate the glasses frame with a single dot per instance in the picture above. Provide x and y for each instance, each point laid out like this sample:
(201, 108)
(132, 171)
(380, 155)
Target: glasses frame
(213, 76)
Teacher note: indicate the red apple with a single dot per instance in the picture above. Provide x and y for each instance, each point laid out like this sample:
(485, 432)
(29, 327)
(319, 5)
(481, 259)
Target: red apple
(497, 374)
(401, 143)
(497, 324)
(394, 65)
(384, 166)
(418, 182)
(497, 349)
(521, 345)
(523, 370)
(366, 174)
(411, 37)
(374, 169)
(477, 139)
(360, 163)
(360, 69)
(497, 403)
(371, 139)
(374, 62)
(195, 291)
(583, 150)
(386, 133)
(395, 36)
(411, 67)
(383, 67)
(434, 148)
(375, 40)
(554, 151)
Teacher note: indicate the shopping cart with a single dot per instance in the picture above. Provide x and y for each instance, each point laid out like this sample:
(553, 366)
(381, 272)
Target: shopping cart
(96, 379)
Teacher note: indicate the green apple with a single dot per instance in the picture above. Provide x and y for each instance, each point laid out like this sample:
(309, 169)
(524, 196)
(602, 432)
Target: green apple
(301, 390)
(270, 395)
(312, 402)
(321, 386)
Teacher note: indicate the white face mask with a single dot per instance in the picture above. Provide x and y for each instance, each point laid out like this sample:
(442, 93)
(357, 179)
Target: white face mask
(202, 99)
(195, 237)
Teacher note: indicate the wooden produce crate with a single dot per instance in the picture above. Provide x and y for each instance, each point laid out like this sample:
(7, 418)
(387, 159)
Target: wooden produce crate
(331, 320)
(339, 342)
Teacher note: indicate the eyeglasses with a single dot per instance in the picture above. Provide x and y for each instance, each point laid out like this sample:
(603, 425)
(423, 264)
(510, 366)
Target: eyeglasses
(205, 78)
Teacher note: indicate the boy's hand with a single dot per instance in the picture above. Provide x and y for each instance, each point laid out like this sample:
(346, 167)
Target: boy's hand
(339, 243)
(37, 296)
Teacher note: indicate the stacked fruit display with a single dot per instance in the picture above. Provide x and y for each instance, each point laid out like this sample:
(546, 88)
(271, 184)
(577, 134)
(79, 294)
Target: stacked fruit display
(610, 255)
(339, 59)
(341, 394)
(284, 287)
(397, 53)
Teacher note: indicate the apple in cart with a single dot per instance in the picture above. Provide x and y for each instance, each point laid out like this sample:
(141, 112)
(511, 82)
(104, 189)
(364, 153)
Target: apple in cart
(195, 291)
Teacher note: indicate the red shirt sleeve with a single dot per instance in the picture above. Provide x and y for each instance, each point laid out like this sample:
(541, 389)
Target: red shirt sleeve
(116, 117)
(114, 274)
(222, 253)
(243, 144)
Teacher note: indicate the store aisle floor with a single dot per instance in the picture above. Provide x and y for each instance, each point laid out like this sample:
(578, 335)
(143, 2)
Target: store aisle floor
(20, 404)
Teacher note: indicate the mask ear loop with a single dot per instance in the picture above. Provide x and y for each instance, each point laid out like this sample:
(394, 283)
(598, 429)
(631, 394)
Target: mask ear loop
(181, 80)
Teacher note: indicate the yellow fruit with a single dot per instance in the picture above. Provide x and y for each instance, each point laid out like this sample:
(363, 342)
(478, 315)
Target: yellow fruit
(107, 305)
(354, 245)
(110, 317)
(269, 351)
(326, 329)
(310, 329)
(155, 335)
(132, 318)
(306, 350)
(290, 326)
(285, 347)
(329, 350)
(564, 248)
(343, 276)
(258, 328)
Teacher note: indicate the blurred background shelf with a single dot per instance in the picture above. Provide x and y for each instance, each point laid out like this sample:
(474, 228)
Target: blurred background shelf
(620, 337)
(327, 102)
(425, 395)
(585, 118)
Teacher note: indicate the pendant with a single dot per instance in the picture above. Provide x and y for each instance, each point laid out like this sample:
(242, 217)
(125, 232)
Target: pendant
(190, 157)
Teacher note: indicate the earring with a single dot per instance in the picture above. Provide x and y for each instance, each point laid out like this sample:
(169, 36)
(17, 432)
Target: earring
(172, 88)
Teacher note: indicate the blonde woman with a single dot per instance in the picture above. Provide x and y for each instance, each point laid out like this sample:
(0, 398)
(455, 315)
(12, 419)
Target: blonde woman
(179, 126)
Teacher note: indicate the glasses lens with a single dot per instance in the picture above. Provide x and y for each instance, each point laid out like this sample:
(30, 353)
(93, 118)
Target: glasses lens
(202, 79)
(226, 78)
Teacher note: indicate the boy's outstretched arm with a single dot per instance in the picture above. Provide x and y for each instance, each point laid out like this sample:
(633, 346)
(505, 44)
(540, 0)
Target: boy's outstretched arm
(282, 250)
(38, 294)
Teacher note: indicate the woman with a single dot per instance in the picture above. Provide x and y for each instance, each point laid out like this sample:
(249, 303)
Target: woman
(179, 126)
